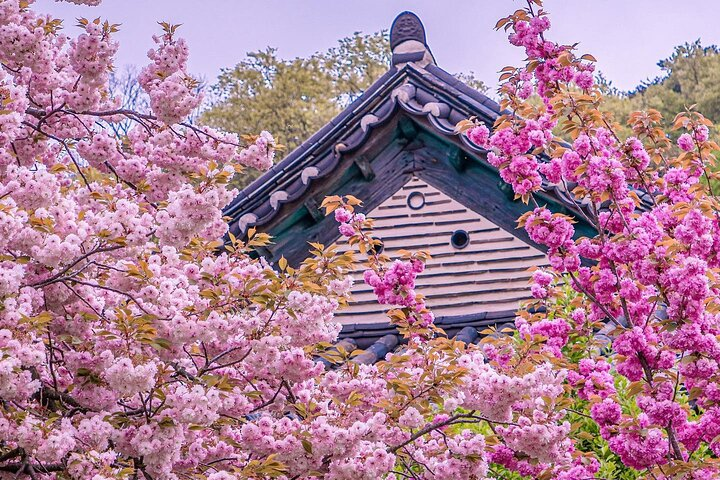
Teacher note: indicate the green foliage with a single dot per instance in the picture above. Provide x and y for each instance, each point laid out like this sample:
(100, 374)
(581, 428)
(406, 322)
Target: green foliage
(691, 76)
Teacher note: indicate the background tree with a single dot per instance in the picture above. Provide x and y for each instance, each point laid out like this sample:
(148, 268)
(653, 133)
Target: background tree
(123, 84)
(691, 76)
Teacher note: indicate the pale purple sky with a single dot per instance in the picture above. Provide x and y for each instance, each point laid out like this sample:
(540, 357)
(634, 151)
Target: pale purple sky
(627, 37)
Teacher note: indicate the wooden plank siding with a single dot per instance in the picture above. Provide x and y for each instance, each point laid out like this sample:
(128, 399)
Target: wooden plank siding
(490, 274)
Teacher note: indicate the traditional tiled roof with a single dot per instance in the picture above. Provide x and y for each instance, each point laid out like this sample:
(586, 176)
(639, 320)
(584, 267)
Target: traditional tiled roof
(413, 85)
(428, 92)
(425, 91)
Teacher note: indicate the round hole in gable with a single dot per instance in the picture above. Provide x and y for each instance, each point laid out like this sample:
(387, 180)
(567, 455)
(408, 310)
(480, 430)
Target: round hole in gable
(460, 239)
(416, 200)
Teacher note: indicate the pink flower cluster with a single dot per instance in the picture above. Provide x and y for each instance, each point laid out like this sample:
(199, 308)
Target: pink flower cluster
(260, 154)
(396, 286)
(652, 280)
(541, 280)
(91, 57)
(129, 338)
(685, 142)
(555, 332)
(509, 152)
(556, 232)
(349, 221)
(592, 378)
(479, 135)
(530, 36)
(171, 90)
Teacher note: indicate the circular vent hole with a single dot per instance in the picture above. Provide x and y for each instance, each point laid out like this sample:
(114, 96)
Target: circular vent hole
(416, 200)
(460, 239)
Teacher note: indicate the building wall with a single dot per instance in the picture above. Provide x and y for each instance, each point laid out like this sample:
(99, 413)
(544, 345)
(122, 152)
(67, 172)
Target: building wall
(489, 274)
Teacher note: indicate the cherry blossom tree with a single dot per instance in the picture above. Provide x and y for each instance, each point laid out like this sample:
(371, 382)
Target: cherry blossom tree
(649, 276)
(137, 341)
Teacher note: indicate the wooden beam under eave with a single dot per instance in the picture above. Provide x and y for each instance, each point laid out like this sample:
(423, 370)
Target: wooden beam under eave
(450, 153)
(297, 212)
(313, 208)
(458, 159)
(266, 253)
(389, 166)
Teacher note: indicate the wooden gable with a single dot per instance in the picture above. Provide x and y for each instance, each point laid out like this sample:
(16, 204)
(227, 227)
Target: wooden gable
(487, 274)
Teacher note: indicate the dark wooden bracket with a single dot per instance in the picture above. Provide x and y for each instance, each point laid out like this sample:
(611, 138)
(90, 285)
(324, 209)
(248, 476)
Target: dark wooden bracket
(264, 252)
(458, 159)
(313, 207)
(408, 129)
(365, 167)
(507, 190)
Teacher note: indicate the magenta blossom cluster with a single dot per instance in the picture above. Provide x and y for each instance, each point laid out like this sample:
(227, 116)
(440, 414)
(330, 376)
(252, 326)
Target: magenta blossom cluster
(349, 221)
(529, 34)
(479, 135)
(556, 232)
(396, 286)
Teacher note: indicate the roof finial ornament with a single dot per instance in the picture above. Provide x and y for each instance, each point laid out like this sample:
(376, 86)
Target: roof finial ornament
(408, 41)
